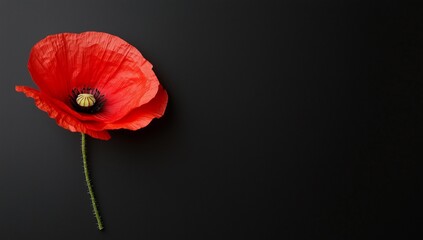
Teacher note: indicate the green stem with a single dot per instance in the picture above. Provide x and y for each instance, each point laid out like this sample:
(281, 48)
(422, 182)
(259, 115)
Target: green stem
(90, 188)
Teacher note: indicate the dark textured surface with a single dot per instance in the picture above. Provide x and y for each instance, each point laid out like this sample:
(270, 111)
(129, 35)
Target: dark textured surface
(301, 120)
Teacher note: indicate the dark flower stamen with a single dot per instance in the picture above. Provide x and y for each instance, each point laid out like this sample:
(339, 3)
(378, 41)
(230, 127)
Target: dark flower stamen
(87, 100)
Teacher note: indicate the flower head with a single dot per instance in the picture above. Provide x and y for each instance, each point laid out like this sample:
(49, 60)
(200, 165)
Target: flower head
(93, 82)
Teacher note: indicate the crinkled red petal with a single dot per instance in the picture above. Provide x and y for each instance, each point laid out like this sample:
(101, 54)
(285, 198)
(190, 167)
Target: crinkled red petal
(63, 119)
(142, 116)
(139, 117)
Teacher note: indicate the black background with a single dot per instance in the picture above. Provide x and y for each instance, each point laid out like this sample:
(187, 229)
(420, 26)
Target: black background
(293, 119)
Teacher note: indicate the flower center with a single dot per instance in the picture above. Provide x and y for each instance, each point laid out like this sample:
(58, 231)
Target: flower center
(87, 100)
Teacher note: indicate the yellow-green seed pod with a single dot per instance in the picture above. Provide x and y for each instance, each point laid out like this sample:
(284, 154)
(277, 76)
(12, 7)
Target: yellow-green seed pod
(85, 100)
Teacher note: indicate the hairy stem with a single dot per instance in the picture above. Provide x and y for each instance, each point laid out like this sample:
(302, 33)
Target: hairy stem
(88, 181)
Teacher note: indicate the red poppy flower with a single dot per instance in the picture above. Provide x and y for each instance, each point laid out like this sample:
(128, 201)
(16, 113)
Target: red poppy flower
(93, 82)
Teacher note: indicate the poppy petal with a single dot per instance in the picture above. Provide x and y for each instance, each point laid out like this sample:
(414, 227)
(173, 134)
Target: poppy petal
(63, 119)
(129, 92)
(142, 116)
(138, 117)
